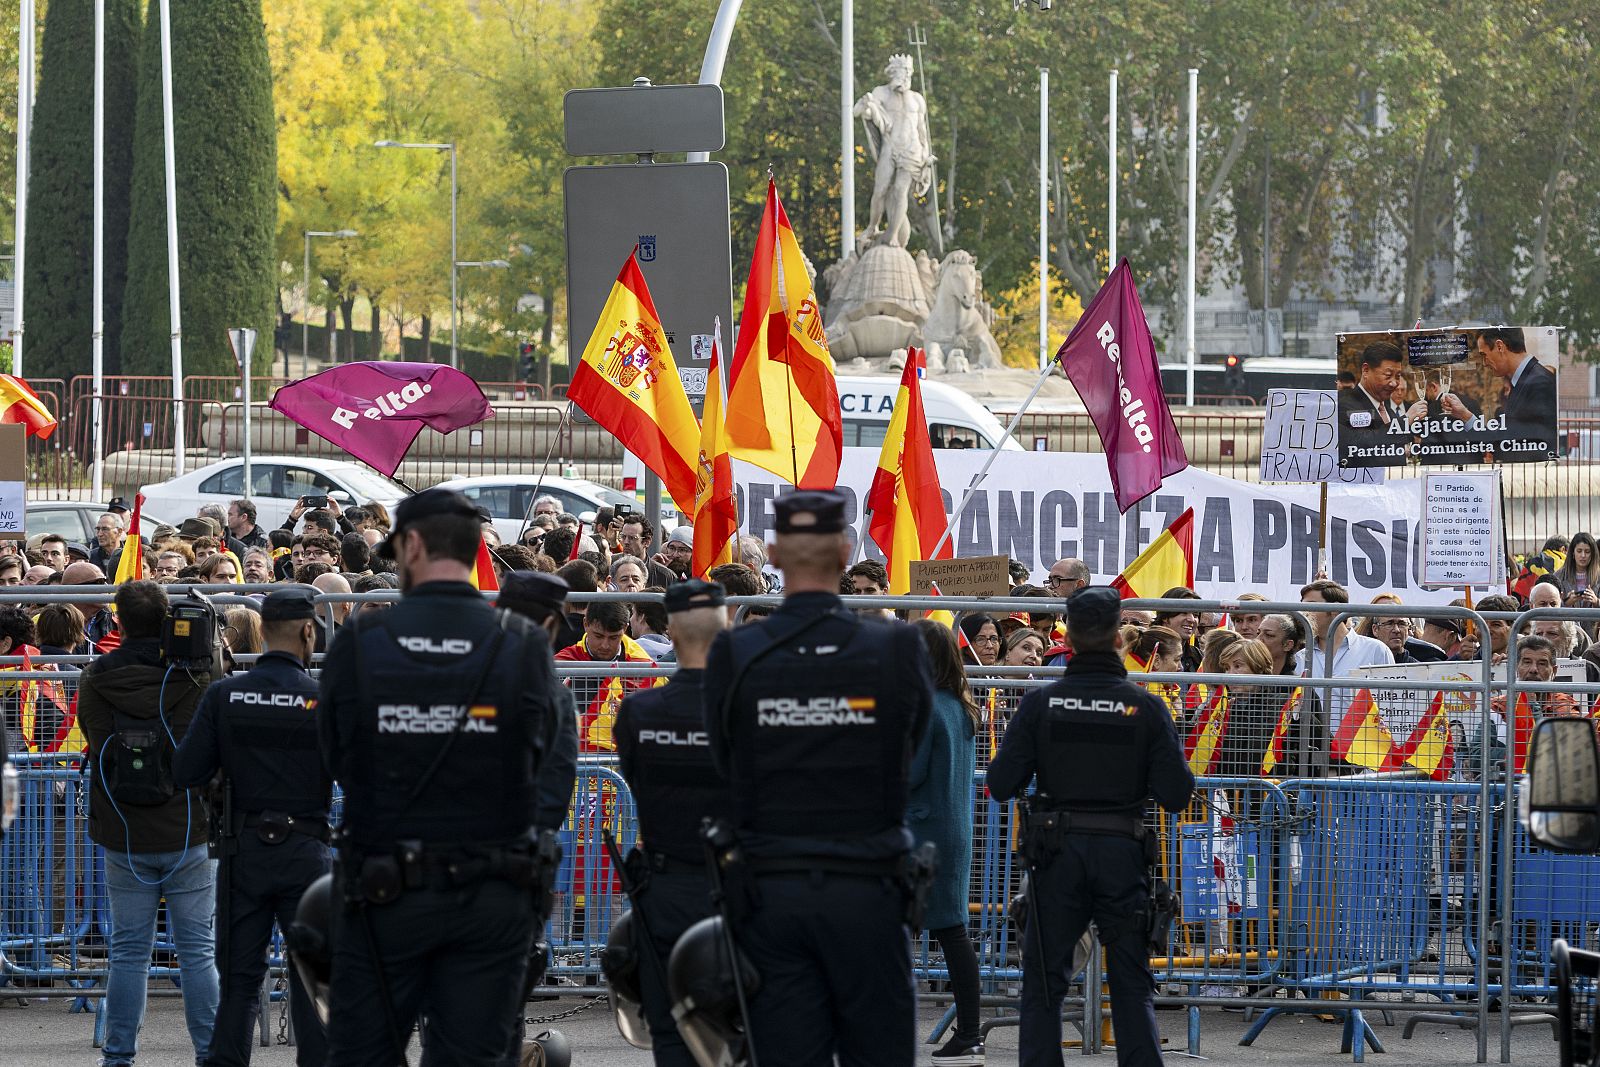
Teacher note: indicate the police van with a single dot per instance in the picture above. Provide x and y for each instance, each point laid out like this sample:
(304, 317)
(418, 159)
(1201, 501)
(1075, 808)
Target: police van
(955, 420)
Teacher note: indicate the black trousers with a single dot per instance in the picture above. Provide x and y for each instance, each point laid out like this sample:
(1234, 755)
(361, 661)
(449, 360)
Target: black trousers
(1103, 878)
(834, 957)
(256, 885)
(456, 955)
(670, 904)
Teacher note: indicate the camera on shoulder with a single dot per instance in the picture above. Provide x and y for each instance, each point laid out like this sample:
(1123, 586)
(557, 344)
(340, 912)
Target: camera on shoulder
(191, 635)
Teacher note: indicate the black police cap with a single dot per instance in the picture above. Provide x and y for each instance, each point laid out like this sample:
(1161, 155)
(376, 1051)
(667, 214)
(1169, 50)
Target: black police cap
(1094, 607)
(426, 505)
(120, 504)
(695, 593)
(526, 591)
(291, 604)
(810, 511)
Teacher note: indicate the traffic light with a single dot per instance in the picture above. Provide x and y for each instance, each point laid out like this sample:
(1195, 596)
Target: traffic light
(525, 362)
(1233, 375)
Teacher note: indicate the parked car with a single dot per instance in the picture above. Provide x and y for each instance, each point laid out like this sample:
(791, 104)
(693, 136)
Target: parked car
(276, 483)
(75, 519)
(510, 497)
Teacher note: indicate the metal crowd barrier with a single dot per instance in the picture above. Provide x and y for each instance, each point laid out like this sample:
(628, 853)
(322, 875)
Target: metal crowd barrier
(1349, 894)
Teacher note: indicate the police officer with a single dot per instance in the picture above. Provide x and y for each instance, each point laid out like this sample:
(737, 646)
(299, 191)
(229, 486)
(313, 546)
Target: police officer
(665, 757)
(435, 717)
(270, 831)
(1098, 747)
(813, 714)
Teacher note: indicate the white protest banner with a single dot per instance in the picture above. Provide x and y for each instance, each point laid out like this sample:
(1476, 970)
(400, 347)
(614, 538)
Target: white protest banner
(1038, 507)
(1460, 520)
(1298, 438)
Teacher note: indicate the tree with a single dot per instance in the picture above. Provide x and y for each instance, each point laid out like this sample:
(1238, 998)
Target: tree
(60, 250)
(225, 150)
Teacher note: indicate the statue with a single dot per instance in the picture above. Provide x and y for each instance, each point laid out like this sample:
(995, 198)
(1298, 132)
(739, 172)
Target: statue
(956, 334)
(896, 118)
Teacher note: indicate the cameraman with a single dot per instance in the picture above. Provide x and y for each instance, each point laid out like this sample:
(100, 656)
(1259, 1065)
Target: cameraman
(134, 710)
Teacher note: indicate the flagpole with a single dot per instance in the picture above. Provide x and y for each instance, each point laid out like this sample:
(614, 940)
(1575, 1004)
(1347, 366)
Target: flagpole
(847, 128)
(1111, 170)
(1194, 175)
(97, 283)
(1011, 428)
(1044, 217)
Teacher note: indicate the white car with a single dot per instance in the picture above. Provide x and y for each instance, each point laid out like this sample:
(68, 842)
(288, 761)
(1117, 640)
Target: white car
(510, 497)
(75, 519)
(276, 483)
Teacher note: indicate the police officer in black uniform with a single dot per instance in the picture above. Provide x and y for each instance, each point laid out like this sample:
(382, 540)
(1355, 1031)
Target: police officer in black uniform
(435, 717)
(1098, 747)
(665, 757)
(270, 831)
(814, 714)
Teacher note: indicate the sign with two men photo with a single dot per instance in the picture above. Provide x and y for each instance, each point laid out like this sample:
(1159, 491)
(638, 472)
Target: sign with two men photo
(1461, 395)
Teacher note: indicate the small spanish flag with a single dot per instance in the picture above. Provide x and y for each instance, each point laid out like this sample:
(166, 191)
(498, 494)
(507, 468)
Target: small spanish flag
(1204, 742)
(130, 565)
(483, 570)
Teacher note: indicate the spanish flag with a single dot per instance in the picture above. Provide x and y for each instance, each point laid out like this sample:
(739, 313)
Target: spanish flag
(628, 383)
(130, 565)
(908, 515)
(1272, 758)
(716, 512)
(482, 576)
(1362, 739)
(1430, 748)
(783, 402)
(1204, 742)
(20, 404)
(1166, 564)
(1521, 732)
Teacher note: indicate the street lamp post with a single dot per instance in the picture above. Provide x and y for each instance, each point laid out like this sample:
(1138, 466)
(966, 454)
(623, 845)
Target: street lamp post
(493, 264)
(441, 146)
(305, 315)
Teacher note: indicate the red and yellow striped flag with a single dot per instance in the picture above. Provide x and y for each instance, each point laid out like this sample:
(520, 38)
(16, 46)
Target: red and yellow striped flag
(908, 515)
(483, 568)
(716, 512)
(130, 565)
(1204, 742)
(1167, 563)
(783, 402)
(1272, 758)
(20, 404)
(628, 382)
(1362, 739)
(1430, 748)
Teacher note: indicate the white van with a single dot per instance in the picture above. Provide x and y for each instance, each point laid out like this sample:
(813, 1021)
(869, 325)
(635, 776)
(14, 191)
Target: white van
(955, 420)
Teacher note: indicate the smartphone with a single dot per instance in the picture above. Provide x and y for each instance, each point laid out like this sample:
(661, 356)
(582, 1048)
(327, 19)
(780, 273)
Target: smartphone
(314, 501)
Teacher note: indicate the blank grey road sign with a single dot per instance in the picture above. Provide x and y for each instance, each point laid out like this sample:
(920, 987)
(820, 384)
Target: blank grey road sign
(637, 119)
(677, 213)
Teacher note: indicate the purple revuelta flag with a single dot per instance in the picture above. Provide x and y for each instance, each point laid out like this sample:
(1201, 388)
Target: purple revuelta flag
(1111, 362)
(375, 410)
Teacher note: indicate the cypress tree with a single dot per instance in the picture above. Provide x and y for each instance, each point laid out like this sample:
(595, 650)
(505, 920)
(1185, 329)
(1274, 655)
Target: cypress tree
(226, 162)
(60, 252)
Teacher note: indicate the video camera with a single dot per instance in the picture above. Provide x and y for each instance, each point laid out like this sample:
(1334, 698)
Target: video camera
(191, 635)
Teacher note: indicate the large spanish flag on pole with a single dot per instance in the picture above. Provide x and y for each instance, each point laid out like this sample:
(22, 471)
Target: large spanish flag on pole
(716, 512)
(907, 509)
(20, 404)
(1166, 564)
(628, 383)
(783, 403)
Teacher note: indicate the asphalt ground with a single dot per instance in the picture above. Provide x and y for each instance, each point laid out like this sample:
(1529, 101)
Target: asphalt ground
(37, 1032)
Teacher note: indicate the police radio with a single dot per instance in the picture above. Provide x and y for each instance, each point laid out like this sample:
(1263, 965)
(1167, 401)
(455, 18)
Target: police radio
(191, 635)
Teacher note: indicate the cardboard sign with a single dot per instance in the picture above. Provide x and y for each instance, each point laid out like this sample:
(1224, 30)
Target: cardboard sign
(973, 576)
(1460, 529)
(1298, 438)
(13, 481)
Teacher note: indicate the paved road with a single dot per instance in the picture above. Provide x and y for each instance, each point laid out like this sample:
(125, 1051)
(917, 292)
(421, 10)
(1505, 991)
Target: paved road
(41, 1033)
